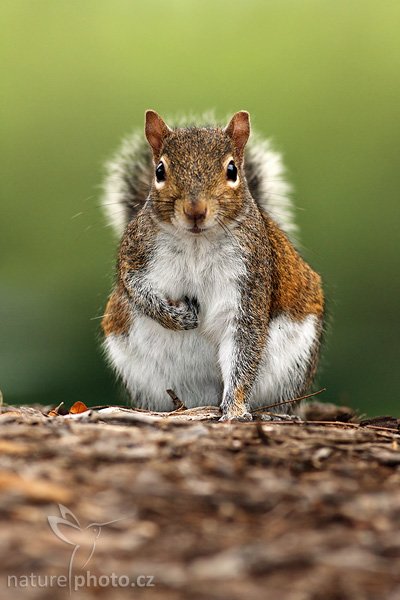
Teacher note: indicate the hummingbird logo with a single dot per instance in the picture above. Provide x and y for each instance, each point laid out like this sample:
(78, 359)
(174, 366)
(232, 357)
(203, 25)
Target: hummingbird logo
(83, 539)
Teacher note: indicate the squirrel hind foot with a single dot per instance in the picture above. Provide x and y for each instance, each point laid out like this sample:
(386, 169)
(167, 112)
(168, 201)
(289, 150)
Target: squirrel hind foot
(245, 417)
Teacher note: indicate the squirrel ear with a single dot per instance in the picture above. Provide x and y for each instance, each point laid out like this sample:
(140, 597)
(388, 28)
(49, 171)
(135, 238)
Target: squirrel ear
(156, 131)
(238, 130)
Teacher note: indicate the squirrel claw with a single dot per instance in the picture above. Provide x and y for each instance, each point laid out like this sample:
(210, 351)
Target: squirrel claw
(245, 417)
(193, 303)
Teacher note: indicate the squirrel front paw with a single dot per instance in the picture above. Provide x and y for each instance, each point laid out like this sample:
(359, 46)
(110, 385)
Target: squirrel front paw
(183, 313)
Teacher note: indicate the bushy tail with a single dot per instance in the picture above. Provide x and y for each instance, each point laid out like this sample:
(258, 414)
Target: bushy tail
(130, 171)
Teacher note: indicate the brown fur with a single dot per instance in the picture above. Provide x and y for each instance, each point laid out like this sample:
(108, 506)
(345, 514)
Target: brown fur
(117, 318)
(296, 288)
(132, 256)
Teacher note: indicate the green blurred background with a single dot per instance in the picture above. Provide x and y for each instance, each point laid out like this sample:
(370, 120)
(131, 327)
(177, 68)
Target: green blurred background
(320, 77)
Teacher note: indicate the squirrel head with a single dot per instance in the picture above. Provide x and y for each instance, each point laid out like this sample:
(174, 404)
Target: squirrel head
(199, 180)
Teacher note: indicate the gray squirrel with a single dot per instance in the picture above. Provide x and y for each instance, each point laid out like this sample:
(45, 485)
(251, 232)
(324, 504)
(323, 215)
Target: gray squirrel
(211, 298)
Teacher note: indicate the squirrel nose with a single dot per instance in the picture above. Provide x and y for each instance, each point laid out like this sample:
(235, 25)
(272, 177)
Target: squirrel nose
(195, 211)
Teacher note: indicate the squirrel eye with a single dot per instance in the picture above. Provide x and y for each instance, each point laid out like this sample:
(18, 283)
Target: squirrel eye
(231, 171)
(160, 172)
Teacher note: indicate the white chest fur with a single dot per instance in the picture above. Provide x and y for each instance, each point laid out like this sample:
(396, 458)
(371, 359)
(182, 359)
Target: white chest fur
(152, 359)
(208, 269)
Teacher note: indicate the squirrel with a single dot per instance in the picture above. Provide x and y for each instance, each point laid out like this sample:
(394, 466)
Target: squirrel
(212, 298)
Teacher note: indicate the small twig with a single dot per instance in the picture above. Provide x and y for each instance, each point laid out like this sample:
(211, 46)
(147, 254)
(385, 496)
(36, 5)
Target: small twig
(179, 405)
(381, 430)
(261, 408)
(339, 424)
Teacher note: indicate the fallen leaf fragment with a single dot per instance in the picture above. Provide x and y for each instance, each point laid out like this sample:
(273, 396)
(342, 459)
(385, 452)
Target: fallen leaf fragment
(78, 407)
(55, 412)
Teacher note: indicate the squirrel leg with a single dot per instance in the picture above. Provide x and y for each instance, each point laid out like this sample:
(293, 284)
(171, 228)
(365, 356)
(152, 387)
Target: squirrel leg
(177, 315)
(240, 355)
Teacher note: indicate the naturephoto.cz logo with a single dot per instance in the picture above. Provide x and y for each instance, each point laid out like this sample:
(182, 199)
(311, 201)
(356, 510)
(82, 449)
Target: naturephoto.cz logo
(69, 530)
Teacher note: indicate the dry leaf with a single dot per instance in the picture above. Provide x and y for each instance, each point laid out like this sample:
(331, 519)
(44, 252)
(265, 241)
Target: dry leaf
(78, 407)
(53, 413)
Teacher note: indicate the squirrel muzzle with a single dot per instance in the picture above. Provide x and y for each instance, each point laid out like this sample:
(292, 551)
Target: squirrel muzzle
(195, 212)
